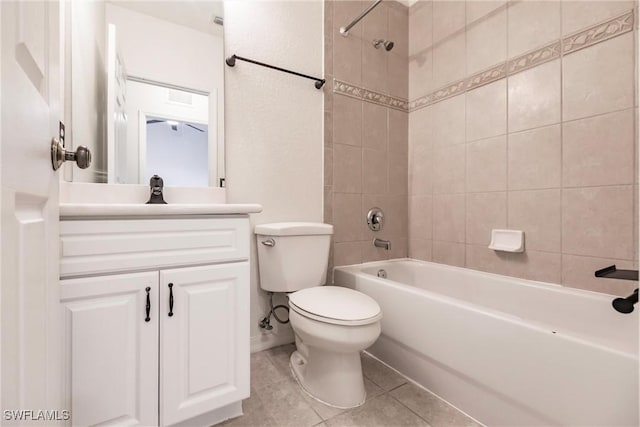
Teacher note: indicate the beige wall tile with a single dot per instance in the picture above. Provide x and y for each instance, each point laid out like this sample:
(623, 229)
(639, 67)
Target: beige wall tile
(449, 217)
(347, 51)
(398, 131)
(448, 18)
(374, 68)
(347, 169)
(398, 30)
(534, 97)
(327, 216)
(420, 217)
(532, 24)
(420, 27)
(485, 211)
(577, 15)
(533, 265)
(398, 72)
(420, 74)
(481, 258)
(347, 217)
(599, 150)
(487, 41)
(420, 152)
(328, 166)
(535, 158)
(449, 253)
(328, 127)
(374, 171)
(487, 165)
(347, 253)
(374, 129)
(420, 169)
(420, 249)
(398, 173)
(347, 120)
(372, 253)
(421, 126)
(598, 222)
(538, 214)
(449, 169)
(449, 60)
(449, 121)
(375, 26)
(487, 111)
(479, 9)
(399, 248)
(598, 79)
(578, 272)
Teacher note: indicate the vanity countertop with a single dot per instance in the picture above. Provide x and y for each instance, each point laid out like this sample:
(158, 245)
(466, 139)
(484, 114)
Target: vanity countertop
(81, 210)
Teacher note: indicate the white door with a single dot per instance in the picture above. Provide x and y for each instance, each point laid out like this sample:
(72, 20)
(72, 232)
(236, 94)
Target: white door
(30, 84)
(111, 349)
(204, 346)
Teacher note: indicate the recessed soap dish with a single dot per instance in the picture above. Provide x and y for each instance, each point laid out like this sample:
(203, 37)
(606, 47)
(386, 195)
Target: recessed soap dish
(507, 240)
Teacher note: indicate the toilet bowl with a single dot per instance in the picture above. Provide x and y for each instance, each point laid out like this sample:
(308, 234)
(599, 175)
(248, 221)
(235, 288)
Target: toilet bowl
(332, 324)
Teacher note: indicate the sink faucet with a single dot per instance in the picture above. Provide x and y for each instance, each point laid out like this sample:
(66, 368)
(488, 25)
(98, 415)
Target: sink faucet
(381, 243)
(156, 183)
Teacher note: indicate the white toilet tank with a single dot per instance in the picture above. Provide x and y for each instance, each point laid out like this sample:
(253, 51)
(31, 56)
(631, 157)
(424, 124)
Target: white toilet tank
(292, 255)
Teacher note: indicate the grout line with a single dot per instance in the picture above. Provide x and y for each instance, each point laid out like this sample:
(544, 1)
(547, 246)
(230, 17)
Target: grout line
(562, 212)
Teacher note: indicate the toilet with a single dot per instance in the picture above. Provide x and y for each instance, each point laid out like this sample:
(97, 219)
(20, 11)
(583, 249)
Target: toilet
(332, 324)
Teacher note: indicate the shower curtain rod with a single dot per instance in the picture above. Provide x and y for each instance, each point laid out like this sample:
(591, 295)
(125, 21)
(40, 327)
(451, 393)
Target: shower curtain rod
(345, 30)
(231, 62)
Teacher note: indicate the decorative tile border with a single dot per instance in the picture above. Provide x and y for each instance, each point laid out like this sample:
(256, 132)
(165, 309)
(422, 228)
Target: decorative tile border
(598, 33)
(588, 37)
(348, 89)
(534, 58)
(579, 40)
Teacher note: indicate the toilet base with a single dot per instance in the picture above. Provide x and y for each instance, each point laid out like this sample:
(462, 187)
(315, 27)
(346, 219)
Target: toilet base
(334, 379)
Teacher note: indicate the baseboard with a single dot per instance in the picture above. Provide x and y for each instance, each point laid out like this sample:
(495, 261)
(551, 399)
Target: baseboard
(269, 339)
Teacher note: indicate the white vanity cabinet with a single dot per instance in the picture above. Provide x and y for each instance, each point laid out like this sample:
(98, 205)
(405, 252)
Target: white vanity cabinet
(155, 315)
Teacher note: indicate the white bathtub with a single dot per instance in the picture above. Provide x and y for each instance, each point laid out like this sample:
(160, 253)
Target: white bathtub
(505, 351)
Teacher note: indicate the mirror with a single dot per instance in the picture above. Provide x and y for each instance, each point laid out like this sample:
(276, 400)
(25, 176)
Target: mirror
(146, 90)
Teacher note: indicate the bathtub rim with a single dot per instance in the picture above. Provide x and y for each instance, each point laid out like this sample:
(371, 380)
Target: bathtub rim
(631, 352)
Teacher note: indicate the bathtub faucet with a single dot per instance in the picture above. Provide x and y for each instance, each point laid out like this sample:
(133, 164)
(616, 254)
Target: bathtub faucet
(381, 243)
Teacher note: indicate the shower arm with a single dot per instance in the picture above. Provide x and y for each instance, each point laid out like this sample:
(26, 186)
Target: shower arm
(345, 30)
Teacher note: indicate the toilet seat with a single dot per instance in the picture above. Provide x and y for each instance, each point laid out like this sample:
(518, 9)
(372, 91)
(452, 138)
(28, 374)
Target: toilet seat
(335, 305)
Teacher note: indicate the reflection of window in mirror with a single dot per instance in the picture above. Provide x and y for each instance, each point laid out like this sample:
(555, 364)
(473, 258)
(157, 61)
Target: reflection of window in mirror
(168, 134)
(177, 151)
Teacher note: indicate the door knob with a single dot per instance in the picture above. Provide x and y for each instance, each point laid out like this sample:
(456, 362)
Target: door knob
(82, 155)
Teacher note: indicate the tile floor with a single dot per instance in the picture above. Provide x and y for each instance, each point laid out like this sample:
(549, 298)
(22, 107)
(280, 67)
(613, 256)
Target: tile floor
(277, 400)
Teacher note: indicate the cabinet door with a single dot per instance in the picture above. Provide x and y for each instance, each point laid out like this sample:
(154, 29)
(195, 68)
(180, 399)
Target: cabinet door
(111, 350)
(204, 345)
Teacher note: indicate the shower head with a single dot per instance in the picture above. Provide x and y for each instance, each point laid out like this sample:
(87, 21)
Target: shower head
(388, 44)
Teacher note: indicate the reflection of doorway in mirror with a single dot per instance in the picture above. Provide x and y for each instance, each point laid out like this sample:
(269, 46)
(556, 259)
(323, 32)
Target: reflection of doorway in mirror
(147, 101)
(176, 150)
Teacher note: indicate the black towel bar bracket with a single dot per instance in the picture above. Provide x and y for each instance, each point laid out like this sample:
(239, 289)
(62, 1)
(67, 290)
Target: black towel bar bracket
(231, 62)
(612, 272)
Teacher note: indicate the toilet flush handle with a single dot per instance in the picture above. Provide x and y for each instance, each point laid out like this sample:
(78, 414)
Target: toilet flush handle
(269, 242)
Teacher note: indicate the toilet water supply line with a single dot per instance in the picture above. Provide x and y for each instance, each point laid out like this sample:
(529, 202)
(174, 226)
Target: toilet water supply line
(266, 322)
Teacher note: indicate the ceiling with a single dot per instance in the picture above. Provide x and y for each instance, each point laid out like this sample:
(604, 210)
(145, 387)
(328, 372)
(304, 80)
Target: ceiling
(197, 15)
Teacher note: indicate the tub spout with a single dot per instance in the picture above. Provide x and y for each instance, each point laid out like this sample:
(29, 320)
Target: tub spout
(381, 243)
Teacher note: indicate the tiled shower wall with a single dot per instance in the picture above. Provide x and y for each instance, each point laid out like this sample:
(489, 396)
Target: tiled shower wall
(523, 116)
(366, 141)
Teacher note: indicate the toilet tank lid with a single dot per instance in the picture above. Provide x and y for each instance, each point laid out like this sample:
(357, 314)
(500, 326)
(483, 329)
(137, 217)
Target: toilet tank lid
(293, 229)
